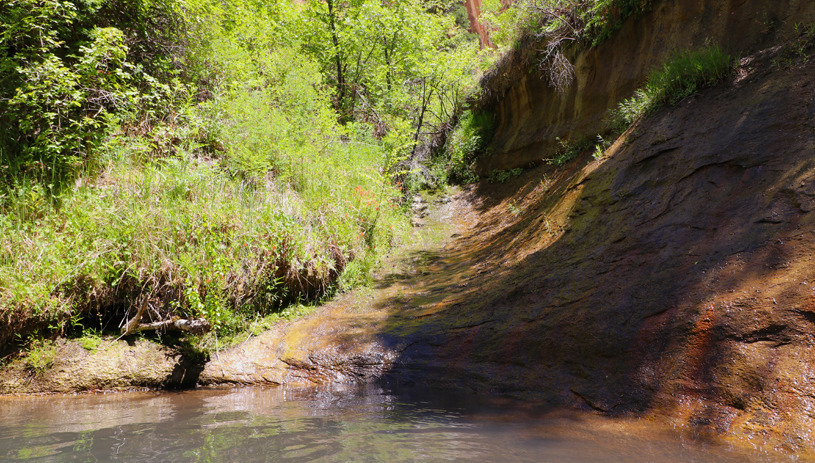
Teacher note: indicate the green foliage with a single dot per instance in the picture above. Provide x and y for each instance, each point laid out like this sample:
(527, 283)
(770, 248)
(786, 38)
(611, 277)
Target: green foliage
(798, 47)
(66, 74)
(467, 142)
(682, 75)
(568, 151)
(536, 34)
(91, 339)
(600, 148)
(804, 38)
(214, 183)
(592, 21)
(604, 17)
(390, 63)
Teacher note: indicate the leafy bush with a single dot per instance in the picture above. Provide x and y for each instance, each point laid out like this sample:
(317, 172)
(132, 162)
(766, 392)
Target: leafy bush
(681, 76)
(468, 141)
(604, 17)
(797, 47)
(67, 71)
(568, 150)
(41, 355)
(501, 176)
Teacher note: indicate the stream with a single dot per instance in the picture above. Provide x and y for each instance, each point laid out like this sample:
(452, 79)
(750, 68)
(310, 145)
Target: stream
(339, 424)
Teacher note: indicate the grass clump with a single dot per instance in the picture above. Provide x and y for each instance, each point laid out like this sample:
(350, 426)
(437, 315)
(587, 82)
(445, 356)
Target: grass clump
(798, 47)
(569, 150)
(198, 237)
(41, 355)
(502, 176)
(804, 40)
(681, 76)
(91, 340)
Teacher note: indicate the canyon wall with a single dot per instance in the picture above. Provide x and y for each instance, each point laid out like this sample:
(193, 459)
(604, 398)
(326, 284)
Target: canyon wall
(531, 114)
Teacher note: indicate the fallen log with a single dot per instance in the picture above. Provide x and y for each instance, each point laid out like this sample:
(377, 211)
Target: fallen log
(133, 323)
(194, 326)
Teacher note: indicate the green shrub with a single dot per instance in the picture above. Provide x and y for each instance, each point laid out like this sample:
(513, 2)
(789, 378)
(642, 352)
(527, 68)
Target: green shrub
(604, 17)
(682, 75)
(225, 207)
(68, 71)
(466, 143)
(502, 176)
(798, 47)
(568, 150)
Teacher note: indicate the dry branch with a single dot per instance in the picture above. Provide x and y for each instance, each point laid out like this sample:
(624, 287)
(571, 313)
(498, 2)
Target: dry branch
(195, 326)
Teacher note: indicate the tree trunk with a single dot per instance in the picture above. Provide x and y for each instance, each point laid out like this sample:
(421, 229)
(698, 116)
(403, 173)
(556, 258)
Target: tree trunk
(337, 54)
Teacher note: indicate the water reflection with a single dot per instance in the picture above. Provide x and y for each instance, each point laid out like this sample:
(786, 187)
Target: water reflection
(325, 425)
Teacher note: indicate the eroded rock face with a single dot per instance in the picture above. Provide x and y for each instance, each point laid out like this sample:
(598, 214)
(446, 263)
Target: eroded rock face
(532, 114)
(674, 277)
(115, 365)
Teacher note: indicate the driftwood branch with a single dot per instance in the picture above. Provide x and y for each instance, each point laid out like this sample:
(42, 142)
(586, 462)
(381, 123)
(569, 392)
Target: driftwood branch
(131, 325)
(197, 326)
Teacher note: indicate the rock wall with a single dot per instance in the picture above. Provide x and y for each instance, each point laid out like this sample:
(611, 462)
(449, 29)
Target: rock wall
(531, 114)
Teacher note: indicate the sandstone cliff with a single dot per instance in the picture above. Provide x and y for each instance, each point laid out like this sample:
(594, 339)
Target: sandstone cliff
(530, 114)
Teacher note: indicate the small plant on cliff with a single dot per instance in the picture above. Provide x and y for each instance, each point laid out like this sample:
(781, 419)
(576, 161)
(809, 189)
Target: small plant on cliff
(501, 176)
(569, 150)
(681, 76)
(600, 148)
(540, 31)
(798, 47)
(805, 38)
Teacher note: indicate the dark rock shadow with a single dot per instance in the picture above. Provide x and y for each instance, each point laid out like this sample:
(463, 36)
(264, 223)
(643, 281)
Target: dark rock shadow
(186, 372)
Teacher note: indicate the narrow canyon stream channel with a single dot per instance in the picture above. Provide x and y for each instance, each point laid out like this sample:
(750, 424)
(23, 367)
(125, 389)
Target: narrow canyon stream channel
(256, 424)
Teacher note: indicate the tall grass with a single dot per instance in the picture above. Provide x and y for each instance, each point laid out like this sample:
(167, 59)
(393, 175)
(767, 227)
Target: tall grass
(194, 239)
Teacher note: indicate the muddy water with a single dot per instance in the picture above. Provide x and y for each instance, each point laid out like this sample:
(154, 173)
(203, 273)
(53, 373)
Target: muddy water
(327, 425)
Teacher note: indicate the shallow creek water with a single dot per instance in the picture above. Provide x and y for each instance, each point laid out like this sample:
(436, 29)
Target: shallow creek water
(328, 425)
